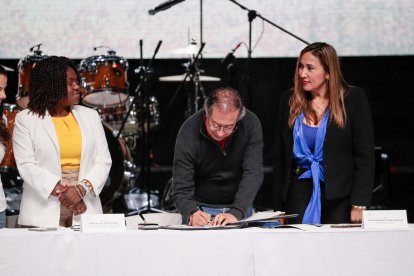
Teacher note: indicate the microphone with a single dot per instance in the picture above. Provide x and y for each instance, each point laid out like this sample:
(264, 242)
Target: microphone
(164, 6)
(230, 55)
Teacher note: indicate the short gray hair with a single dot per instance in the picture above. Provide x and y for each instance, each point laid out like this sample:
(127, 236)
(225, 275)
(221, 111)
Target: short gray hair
(227, 99)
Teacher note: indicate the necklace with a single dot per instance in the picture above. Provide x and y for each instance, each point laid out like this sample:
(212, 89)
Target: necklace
(320, 109)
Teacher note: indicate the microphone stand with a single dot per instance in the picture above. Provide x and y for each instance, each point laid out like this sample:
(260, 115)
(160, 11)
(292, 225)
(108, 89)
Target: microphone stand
(144, 118)
(252, 14)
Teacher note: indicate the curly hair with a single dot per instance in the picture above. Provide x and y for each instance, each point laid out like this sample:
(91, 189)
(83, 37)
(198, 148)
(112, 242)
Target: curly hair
(4, 133)
(337, 86)
(48, 84)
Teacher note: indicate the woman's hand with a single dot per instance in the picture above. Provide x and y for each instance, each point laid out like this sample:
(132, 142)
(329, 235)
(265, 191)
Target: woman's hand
(70, 197)
(59, 189)
(79, 208)
(356, 214)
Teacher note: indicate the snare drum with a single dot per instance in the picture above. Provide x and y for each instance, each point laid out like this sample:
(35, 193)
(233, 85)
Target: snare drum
(104, 78)
(8, 163)
(26, 66)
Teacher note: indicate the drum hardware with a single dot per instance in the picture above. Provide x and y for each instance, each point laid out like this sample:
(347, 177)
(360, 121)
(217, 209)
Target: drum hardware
(7, 68)
(121, 169)
(178, 78)
(13, 199)
(12, 182)
(141, 97)
(137, 201)
(193, 73)
(189, 50)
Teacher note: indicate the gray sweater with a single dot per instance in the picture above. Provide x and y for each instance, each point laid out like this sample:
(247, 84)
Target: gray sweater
(204, 174)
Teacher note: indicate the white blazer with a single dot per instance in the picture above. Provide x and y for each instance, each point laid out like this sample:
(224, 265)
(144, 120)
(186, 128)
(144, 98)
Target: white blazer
(37, 154)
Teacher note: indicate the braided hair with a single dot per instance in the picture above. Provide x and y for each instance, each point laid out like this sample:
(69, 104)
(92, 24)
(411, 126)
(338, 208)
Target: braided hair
(48, 84)
(4, 133)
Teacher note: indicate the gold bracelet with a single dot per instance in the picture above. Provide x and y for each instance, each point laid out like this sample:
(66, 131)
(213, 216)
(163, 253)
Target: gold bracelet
(88, 184)
(77, 188)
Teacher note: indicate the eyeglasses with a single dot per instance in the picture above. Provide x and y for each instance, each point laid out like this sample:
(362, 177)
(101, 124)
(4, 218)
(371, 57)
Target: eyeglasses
(217, 127)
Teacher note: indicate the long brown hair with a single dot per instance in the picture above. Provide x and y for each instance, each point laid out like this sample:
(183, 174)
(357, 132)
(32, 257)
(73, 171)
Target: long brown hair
(4, 133)
(337, 86)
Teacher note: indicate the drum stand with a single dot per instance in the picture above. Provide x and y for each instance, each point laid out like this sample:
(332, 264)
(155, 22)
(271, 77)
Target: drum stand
(193, 100)
(144, 119)
(194, 73)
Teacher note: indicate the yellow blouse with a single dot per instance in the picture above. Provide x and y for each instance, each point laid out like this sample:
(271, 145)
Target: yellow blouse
(70, 141)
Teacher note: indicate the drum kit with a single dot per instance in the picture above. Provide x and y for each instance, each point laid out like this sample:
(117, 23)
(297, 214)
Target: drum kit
(103, 79)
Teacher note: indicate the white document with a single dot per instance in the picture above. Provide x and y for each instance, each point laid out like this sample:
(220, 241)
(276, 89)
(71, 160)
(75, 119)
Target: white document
(266, 215)
(102, 223)
(384, 219)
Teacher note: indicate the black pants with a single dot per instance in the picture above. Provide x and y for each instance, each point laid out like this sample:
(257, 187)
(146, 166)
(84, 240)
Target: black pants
(300, 192)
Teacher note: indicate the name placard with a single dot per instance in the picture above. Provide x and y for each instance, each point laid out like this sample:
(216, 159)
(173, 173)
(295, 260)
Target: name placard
(384, 219)
(102, 223)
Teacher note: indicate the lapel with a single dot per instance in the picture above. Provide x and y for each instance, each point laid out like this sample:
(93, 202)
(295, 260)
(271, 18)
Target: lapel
(83, 132)
(49, 127)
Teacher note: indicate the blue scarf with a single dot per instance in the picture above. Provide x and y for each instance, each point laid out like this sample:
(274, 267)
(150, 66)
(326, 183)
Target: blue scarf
(312, 163)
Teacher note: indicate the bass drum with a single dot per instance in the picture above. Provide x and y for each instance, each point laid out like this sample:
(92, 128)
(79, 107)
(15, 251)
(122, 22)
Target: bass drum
(26, 66)
(118, 175)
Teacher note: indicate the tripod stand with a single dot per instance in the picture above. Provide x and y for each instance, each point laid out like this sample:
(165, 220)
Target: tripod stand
(193, 99)
(144, 119)
(252, 14)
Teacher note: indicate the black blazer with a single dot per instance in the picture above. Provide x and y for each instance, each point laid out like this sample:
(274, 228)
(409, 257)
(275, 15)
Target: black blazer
(349, 157)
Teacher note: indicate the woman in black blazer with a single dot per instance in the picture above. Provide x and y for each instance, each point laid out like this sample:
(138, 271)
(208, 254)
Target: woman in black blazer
(324, 168)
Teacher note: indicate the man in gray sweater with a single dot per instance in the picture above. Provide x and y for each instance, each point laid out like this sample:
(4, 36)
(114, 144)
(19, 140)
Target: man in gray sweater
(218, 160)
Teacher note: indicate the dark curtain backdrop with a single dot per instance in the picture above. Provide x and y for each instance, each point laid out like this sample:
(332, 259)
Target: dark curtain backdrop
(387, 81)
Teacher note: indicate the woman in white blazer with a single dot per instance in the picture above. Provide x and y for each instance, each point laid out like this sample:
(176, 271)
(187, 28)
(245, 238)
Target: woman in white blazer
(60, 149)
(4, 138)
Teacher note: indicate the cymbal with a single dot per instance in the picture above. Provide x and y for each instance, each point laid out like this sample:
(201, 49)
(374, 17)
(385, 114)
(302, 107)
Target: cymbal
(181, 78)
(191, 49)
(7, 68)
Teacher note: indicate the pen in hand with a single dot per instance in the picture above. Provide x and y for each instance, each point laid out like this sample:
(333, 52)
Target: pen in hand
(200, 218)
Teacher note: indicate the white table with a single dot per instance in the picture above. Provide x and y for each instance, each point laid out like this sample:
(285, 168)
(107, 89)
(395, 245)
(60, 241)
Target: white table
(251, 251)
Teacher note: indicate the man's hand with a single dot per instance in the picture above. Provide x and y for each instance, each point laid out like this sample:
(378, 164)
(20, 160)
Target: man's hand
(223, 219)
(199, 218)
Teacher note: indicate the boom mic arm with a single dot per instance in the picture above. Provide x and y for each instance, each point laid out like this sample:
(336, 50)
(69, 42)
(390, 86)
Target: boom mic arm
(164, 6)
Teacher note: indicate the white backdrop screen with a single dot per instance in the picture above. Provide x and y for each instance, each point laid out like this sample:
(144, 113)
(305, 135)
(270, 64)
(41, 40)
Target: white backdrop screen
(73, 27)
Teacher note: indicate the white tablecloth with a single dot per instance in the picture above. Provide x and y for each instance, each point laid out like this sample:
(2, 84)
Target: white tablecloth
(251, 251)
